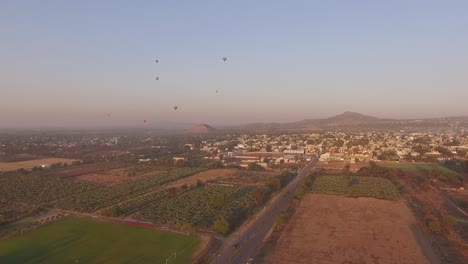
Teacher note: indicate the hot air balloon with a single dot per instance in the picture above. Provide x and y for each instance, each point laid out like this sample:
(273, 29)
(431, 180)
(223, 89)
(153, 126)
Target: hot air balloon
(157, 78)
(224, 59)
(157, 61)
(108, 115)
(175, 108)
(217, 91)
(144, 121)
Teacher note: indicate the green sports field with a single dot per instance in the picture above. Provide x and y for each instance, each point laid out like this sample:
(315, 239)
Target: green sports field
(80, 240)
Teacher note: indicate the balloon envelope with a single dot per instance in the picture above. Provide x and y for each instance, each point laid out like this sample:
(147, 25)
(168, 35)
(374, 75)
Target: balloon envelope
(224, 59)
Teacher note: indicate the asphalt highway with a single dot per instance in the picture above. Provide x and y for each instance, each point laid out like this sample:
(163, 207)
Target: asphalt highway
(250, 238)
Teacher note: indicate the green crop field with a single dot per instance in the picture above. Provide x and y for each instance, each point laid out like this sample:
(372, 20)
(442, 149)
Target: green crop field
(425, 168)
(356, 186)
(437, 171)
(79, 240)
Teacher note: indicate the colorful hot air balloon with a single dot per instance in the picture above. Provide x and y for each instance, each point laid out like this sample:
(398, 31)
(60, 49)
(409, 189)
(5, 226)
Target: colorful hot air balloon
(224, 59)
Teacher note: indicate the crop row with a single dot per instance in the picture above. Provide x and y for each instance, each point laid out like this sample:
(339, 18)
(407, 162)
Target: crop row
(356, 186)
(39, 188)
(202, 206)
(100, 198)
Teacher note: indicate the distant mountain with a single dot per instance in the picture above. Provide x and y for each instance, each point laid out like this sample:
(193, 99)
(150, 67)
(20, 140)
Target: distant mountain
(202, 129)
(346, 119)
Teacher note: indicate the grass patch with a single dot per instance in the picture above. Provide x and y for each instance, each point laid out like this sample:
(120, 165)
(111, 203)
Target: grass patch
(79, 240)
(437, 171)
(356, 186)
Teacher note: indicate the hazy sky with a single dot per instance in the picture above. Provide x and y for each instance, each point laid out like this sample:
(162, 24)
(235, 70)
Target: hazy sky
(70, 63)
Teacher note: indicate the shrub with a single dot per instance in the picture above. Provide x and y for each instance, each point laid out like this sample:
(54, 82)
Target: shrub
(434, 226)
(221, 226)
(449, 220)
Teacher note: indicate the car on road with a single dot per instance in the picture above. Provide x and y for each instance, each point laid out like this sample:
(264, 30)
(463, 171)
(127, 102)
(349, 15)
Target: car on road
(250, 261)
(235, 246)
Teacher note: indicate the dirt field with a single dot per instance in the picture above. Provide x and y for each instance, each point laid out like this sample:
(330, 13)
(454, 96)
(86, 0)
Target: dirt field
(110, 177)
(203, 176)
(335, 229)
(73, 172)
(11, 166)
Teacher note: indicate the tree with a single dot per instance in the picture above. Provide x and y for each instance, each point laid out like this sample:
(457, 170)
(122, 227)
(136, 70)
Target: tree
(199, 183)
(221, 226)
(255, 167)
(268, 148)
(339, 143)
(280, 220)
(275, 184)
(2, 219)
(449, 220)
(187, 227)
(184, 187)
(258, 195)
(113, 211)
(434, 226)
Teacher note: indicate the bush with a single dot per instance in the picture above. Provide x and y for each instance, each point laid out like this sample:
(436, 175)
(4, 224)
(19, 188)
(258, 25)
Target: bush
(434, 226)
(221, 226)
(449, 220)
(280, 220)
(255, 167)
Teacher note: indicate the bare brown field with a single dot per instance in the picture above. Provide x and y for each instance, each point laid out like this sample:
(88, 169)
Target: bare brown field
(11, 166)
(335, 229)
(203, 176)
(110, 177)
(73, 172)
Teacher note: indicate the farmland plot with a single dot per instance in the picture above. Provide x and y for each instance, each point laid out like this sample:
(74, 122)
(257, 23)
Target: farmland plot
(96, 199)
(335, 229)
(356, 186)
(201, 206)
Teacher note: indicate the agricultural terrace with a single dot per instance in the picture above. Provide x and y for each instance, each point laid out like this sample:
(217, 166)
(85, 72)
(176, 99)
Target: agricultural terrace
(339, 229)
(80, 240)
(355, 186)
(13, 166)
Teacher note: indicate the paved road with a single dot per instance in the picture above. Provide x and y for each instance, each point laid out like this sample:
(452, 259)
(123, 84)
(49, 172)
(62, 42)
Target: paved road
(251, 237)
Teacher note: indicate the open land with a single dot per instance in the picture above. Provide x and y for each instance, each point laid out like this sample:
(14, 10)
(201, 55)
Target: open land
(12, 166)
(111, 177)
(204, 176)
(335, 229)
(81, 240)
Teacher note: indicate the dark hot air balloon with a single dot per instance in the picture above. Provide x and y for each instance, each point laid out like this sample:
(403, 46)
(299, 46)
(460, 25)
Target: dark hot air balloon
(224, 59)
(157, 61)
(157, 78)
(175, 108)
